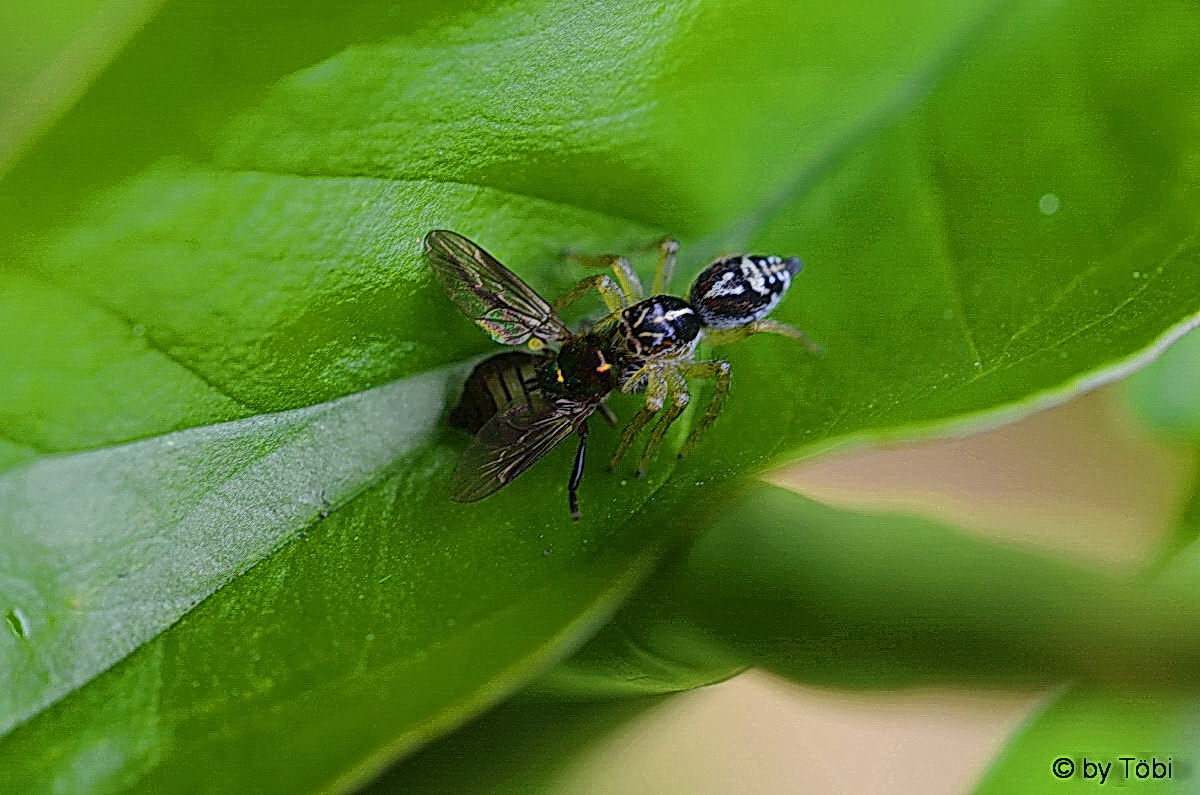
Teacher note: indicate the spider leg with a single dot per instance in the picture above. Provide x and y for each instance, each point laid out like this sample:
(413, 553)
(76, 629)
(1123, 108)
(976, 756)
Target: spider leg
(614, 296)
(657, 388)
(668, 248)
(717, 370)
(765, 326)
(678, 392)
(626, 276)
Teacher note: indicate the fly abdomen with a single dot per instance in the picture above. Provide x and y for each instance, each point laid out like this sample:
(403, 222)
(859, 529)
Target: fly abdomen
(495, 382)
(737, 290)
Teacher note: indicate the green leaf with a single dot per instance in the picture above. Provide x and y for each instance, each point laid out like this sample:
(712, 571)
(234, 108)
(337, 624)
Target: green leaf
(1184, 532)
(848, 599)
(153, 527)
(1122, 726)
(984, 247)
(227, 225)
(1166, 395)
(524, 745)
(311, 289)
(1100, 735)
(49, 53)
(364, 619)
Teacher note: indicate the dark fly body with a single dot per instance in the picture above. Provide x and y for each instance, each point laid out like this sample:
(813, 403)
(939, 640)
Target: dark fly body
(494, 383)
(521, 405)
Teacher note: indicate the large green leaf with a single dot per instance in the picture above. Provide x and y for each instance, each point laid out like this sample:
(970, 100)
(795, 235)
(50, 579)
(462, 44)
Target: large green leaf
(151, 528)
(227, 226)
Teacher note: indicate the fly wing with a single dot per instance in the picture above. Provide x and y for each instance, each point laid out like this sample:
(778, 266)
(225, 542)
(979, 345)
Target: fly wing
(519, 435)
(490, 294)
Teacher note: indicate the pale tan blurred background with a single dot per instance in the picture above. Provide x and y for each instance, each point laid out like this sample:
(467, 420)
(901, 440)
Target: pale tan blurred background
(1084, 481)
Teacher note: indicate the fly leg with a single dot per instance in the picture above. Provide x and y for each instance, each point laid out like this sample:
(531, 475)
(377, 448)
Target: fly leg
(717, 370)
(679, 398)
(656, 395)
(607, 414)
(765, 326)
(577, 472)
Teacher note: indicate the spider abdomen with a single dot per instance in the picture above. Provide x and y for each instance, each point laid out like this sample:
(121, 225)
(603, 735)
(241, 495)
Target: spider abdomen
(737, 290)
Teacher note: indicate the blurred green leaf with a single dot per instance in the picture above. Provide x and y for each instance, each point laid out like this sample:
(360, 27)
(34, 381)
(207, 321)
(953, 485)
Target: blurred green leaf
(778, 582)
(1166, 395)
(1112, 725)
(226, 226)
(49, 53)
(1104, 729)
(1184, 532)
(524, 745)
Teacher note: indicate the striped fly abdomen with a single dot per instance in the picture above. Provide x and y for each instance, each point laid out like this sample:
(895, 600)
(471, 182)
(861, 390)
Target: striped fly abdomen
(495, 382)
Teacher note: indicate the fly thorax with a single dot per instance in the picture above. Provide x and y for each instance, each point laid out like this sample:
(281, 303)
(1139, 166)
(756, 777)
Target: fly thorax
(582, 369)
(737, 290)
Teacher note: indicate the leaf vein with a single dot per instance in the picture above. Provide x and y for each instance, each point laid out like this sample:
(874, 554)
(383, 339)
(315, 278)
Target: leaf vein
(143, 333)
(907, 95)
